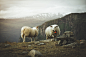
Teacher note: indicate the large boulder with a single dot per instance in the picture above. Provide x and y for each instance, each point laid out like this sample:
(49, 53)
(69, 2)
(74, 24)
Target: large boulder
(71, 45)
(82, 42)
(35, 53)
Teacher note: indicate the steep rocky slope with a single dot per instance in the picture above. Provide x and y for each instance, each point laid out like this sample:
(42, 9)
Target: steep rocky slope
(74, 22)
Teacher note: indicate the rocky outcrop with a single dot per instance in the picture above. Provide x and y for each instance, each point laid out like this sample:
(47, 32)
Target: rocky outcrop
(74, 22)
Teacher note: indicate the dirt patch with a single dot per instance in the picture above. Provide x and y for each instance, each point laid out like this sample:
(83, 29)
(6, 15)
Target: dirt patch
(48, 49)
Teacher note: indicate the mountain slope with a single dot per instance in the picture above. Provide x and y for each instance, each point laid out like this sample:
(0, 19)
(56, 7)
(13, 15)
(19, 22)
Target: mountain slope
(74, 22)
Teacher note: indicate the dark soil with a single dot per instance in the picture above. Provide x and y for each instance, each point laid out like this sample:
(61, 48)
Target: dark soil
(49, 49)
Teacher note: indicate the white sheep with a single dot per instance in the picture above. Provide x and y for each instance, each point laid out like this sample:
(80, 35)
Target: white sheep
(29, 32)
(52, 31)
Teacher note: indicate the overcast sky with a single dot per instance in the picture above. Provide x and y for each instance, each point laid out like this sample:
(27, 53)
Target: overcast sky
(23, 8)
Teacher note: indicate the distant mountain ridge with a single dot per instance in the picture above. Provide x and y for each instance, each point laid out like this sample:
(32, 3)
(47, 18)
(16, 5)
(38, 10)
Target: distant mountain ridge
(47, 16)
(42, 16)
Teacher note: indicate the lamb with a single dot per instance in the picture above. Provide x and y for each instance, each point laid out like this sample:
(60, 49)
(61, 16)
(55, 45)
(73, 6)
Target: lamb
(52, 31)
(29, 32)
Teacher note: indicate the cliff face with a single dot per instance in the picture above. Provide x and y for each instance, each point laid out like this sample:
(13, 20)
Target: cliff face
(74, 22)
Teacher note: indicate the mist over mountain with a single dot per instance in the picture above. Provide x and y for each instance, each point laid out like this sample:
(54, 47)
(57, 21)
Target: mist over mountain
(46, 16)
(41, 16)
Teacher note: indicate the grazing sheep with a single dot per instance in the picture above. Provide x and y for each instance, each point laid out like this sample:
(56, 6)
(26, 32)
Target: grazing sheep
(29, 32)
(52, 31)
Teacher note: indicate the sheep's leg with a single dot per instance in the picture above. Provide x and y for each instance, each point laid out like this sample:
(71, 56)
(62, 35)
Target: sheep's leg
(31, 39)
(24, 39)
(53, 38)
(46, 37)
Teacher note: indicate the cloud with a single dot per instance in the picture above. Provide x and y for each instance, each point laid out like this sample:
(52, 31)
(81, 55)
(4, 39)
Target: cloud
(17, 12)
(24, 8)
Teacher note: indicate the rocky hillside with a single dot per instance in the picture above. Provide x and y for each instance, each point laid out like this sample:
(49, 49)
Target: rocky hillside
(74, 22)
(47, 49)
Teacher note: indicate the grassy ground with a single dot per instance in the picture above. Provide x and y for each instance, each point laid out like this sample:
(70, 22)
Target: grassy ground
(48, 49)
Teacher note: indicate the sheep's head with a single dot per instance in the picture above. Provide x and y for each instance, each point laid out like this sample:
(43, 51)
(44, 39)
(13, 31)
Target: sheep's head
(37, 28)
(54, 28)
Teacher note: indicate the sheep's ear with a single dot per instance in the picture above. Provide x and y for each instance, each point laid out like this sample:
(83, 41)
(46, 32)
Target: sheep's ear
(56, 26)
(37, 27)
(50, 26)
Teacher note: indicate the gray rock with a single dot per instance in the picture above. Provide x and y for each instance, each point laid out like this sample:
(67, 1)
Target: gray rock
(81, 43)
(7, 45)
(41, 43)
(24, 52)
(29, 45)
(34, 53)
(64, 42)
(59, 42)
(71, 45)
(48, 40)
(36, 42)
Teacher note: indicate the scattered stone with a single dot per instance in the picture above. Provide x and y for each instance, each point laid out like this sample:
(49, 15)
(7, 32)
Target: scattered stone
(59, 41)
(36, 42)
(71, 45)
(66, 46)
(64, 42)
(48, 40)
(7, 45)
(34, 53)
(29, 45)
(24, 52)
(81, 43)
(41, 44)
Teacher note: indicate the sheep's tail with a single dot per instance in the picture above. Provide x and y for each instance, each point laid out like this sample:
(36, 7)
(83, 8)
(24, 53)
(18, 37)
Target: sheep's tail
(22, 33)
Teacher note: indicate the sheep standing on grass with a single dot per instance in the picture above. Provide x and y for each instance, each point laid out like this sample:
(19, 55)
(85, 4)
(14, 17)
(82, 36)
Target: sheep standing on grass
(52, 31)
(29, 32)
